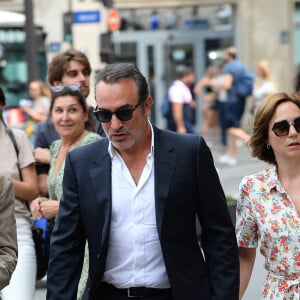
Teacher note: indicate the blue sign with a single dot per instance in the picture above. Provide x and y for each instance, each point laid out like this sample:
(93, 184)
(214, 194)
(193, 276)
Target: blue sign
(86, 17)
(54, 47)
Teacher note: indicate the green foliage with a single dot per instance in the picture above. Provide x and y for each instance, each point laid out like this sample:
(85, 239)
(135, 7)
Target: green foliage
(230, 199)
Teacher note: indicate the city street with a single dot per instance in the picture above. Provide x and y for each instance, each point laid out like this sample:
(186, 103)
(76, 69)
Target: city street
(230, 178)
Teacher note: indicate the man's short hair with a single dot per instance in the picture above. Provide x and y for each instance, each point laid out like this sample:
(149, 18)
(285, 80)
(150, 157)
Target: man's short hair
(232, 52)
(182, 71)
(112, 73)
(59, 63)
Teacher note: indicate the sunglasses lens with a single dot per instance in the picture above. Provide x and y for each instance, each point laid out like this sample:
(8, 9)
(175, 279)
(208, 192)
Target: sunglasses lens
(103, 116)
(124, 114)
(297, 124)
(281, 128)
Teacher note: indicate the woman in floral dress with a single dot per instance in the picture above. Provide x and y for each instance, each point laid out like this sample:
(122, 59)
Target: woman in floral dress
(269, 205)
(69, 114)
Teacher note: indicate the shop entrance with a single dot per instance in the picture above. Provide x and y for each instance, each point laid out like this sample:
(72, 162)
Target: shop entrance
(158, 53)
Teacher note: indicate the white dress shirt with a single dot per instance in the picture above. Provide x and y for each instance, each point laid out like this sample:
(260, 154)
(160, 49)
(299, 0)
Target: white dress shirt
(134, 253)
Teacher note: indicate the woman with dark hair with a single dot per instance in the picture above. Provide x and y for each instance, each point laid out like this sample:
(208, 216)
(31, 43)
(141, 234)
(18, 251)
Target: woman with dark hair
(269, 205)
(19, 164)
(69, 114)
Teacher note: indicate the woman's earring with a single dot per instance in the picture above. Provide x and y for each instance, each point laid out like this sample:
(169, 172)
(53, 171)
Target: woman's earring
(268, 146)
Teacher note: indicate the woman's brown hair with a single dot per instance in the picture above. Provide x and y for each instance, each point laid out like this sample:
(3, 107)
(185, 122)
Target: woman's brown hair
(259, 139)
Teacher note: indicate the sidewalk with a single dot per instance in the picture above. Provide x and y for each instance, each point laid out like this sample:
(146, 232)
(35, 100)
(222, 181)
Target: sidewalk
(230, 178)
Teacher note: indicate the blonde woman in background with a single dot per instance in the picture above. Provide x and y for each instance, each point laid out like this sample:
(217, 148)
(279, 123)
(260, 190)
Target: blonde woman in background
(38, 110)
(204, 90)
(264, 84)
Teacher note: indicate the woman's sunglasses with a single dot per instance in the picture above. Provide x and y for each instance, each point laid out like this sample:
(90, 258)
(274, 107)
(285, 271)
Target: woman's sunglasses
(282, 128)
(123, 114)
(60, 88)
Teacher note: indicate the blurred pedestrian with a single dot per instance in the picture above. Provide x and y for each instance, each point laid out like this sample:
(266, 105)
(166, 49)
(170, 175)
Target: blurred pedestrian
(154, 21)
(137, 207)
(221, 107)
(234, 106)
(69, 114)
(38, 109)
(264, 84)
(204, 89)
(269, 207)
(8, 233)
(66, 68)
(182, 100)
(18, 162)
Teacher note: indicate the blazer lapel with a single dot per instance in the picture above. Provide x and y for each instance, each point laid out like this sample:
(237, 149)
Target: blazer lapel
(164, 161)
(100, 172)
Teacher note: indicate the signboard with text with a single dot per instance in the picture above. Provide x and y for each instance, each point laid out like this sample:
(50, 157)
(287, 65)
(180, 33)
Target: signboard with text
(81, 17)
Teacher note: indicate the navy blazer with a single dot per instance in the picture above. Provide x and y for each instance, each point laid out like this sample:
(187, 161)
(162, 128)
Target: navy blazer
(186, 186)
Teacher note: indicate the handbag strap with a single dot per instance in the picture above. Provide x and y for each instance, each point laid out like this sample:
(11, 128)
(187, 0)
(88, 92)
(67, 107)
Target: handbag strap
(14, 142)
(13, 139)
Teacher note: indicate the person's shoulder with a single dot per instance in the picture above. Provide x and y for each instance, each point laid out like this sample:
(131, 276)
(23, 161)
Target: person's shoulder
(179, 138)
(261, 177)
(18, 133)
(45, 125)
(90, 150)
(90, 137)
(55, 145)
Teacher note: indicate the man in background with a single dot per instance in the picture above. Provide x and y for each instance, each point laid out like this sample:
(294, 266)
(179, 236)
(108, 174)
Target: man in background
(233, 109)
(181, 99)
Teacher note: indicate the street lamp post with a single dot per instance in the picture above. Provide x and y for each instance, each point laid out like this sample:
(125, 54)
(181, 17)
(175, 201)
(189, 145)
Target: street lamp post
(30, 43)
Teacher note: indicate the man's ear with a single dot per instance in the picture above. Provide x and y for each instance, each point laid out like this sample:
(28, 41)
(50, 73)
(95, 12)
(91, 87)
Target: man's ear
(148, 105)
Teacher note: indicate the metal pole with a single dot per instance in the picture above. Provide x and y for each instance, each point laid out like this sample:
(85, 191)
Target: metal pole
(30, 43)
(71, 16)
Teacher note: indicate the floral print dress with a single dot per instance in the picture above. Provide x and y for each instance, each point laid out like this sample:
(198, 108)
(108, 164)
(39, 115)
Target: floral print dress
(266, 212)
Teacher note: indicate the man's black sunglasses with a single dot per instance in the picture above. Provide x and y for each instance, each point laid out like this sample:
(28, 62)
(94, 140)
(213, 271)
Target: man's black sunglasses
(123, 114)
(282, 128)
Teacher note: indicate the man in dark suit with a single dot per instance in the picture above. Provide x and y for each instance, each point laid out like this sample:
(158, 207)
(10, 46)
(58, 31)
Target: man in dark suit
(135, 197)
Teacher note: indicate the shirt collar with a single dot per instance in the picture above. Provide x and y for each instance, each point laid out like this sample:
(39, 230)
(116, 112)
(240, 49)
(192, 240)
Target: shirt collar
(272, 179)
(113, 152)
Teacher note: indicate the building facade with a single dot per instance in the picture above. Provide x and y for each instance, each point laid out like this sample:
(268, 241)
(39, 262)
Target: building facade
(201, 29)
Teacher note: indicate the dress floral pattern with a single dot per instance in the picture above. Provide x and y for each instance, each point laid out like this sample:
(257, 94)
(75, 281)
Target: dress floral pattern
(55, 192)
(266, 212)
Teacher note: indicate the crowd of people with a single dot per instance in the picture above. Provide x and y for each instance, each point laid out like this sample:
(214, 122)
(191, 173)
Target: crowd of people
(121, 196)
(222, 105)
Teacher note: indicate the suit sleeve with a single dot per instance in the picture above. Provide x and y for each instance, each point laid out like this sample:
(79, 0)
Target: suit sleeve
(8, 235)
(67, 241)
(218, 238)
